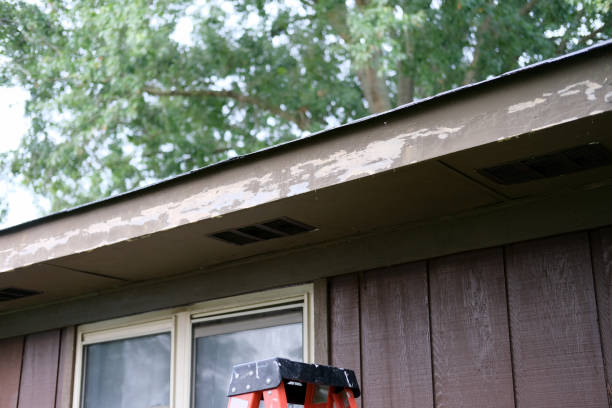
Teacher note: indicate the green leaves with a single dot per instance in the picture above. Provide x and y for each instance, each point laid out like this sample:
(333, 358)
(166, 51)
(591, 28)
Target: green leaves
(116, 102)
(380, 28)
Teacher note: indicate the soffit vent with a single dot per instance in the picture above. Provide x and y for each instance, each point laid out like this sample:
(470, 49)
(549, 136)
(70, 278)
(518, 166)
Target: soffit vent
(16, 293)
(264, 231)
(566, 161)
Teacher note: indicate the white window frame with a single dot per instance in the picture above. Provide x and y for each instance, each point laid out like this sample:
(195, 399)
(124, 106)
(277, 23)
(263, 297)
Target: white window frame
(179, 323)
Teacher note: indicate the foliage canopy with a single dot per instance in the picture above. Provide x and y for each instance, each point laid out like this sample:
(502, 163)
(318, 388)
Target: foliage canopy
(118, 99)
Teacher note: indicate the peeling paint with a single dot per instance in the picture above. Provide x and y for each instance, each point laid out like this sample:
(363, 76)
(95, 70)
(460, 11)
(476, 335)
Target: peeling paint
(207, 203)
(525, 105)
(340, 166)
(440, 132)
(574, 89)
(343, 165)
(377, 156)
(589, 89)
(479, 119)
(549, 125)
(503, 138)
(298, 188)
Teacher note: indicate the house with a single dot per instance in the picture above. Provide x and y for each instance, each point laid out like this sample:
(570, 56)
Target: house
(454, 252)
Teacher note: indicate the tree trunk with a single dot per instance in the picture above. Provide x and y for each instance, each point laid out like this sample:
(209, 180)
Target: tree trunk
(405, 80)
(405, 89)
(374, 88)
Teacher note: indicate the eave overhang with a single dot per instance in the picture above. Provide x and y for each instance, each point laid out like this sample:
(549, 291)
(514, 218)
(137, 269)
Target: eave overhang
(409, 165)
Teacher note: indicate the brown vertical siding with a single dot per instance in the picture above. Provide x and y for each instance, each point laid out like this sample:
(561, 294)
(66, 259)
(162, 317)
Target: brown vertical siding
(519, 326)
(527, 325)
(65, 368)
(39, 370)
(602, 267)
(396, 368)
(469, 324)
(344, 327)
(553, 318)
(36, 370)
(11, 352)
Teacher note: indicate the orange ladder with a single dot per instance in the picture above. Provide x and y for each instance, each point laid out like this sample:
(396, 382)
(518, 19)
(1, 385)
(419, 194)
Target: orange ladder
(280, 382)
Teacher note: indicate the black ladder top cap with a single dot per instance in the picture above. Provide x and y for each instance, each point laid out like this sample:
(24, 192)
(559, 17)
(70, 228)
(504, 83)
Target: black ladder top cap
(268, 374)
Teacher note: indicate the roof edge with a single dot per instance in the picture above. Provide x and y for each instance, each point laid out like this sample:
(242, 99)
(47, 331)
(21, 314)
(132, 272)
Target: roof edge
(215, 166)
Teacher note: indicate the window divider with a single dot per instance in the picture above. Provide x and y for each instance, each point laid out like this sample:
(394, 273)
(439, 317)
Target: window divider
(179, 322)
(182, 364)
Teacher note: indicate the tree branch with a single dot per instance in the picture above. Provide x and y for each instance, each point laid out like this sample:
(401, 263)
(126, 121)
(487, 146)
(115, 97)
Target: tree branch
(373, 86)
(528, 7)
(405, 81)
(591, 36)
(566, 36)
(299, 119)
(470, 74)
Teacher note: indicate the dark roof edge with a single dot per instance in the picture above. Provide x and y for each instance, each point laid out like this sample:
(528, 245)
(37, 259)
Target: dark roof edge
(140, 190)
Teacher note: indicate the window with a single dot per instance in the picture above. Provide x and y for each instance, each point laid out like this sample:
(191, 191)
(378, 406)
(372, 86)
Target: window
(182, 358)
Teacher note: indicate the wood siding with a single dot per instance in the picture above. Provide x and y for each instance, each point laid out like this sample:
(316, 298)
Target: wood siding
(36, 370)
(525, 325)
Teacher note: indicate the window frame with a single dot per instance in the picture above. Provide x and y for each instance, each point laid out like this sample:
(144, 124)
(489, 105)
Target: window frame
(179, 323)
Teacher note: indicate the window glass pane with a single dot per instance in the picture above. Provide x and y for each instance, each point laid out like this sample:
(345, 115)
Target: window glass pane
(220, 346)
(131, 373)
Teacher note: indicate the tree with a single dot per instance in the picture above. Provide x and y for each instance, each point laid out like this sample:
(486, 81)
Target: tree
(117, 101)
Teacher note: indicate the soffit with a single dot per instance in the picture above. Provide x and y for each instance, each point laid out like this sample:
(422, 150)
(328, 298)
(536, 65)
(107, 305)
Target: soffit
(527, 102)
(398, 169)
(431, 191)
(54, 282)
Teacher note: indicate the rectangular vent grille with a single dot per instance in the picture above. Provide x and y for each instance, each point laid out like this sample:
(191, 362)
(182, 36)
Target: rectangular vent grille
(563, 162)
(280, 227)
(16, 293)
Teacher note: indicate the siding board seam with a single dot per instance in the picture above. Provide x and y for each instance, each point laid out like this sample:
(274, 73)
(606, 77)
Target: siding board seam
(23, 350)
(57, 371)
(359, 312)
(597, 314)
(508, 317)
(328, 321)
(431, 346)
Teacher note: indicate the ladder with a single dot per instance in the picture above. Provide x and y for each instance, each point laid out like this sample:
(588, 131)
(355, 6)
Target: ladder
(280, 382)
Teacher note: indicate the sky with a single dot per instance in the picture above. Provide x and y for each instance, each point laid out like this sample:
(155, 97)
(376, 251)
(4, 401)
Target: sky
(22, 203)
